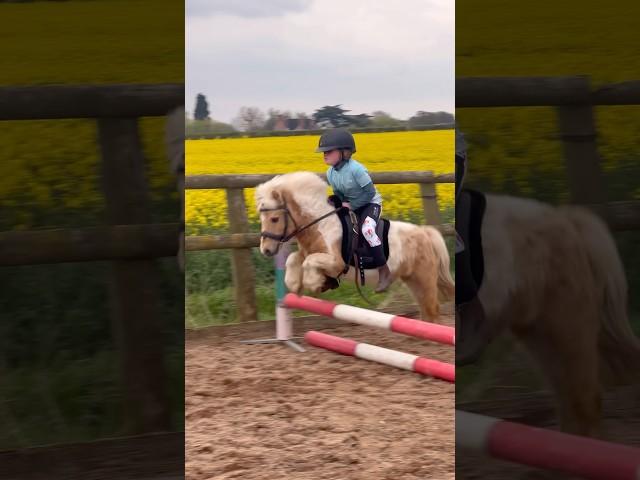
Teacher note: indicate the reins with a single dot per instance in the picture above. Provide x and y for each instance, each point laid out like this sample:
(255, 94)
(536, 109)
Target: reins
(284, 238)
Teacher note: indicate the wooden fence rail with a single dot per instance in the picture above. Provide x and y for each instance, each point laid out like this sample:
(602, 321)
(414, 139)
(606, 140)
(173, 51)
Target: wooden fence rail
(574, 100)
(249, 181)
(542, 92)
(89, 101)
(130, 241)
(251, 240)
(241, 241)
(116, 242)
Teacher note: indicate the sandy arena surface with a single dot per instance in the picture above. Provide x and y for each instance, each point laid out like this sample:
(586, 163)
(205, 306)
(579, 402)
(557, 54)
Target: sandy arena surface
(268, 412)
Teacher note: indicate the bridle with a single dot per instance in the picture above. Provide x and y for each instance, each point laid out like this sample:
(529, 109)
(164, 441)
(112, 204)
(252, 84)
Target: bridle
(283, 237)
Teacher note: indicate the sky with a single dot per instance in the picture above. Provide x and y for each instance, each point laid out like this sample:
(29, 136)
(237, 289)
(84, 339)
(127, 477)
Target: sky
(300, 55)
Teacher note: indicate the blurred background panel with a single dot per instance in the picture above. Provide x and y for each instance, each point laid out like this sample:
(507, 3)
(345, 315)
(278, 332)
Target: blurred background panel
(91, 337)
(547, 96)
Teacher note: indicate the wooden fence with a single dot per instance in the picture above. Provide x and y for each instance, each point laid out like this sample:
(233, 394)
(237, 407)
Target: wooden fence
(574, 100)
(241, 240)
(130, 240)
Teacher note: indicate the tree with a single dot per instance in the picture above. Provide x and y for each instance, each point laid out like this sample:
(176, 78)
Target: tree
(250, 119)
(195, 128)
(423, 119)
(383, 119)
(202, 108)
(361, 120)
(333, 115)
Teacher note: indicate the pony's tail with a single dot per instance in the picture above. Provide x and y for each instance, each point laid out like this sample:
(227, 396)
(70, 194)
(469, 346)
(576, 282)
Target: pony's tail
(618, 345)
(446, 285)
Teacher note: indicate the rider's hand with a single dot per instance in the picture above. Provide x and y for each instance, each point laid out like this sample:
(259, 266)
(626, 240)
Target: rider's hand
(346, 204)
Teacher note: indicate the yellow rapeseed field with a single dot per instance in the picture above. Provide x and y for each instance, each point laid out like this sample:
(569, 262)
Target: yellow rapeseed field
(392, 151)
(53, 166)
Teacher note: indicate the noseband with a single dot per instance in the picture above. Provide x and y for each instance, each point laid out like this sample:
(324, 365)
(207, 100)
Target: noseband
(284, 238)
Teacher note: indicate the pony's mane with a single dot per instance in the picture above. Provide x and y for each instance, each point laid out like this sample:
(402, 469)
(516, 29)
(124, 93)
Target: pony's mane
(307, 189)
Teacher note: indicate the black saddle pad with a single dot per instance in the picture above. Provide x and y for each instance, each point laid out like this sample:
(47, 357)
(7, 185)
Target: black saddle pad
(470, 208)
(367, 261)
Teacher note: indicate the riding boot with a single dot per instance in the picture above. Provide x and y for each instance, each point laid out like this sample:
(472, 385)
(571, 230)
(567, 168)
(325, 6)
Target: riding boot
(384, 278)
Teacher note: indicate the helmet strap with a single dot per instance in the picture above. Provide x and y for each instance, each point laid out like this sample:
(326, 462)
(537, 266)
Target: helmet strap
(342, 161)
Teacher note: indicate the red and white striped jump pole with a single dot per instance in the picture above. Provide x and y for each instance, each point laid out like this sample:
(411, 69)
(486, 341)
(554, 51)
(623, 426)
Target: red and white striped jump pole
(371, 318)
(406, 361)
(547, 449)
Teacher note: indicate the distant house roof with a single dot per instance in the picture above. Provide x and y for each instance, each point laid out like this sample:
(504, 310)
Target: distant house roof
(280, 123)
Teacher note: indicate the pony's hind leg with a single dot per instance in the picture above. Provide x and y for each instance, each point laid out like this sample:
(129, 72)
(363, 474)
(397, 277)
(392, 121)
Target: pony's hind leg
(569, 360)
(424, 288)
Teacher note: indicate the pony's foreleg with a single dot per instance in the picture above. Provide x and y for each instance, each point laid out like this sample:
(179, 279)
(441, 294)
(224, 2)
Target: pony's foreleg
(317, 267)
(293, 272)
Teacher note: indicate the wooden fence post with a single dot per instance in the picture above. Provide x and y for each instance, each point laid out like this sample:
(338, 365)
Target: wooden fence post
(578, 132)
(244, 278)
(430, 203)
(134, 295)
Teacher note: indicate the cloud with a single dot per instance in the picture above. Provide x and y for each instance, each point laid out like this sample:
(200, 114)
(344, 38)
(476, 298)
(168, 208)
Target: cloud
(245, 8)
(369, 56)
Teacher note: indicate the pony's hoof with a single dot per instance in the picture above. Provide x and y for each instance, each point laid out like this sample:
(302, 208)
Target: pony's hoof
(295, 288)
(330, 284)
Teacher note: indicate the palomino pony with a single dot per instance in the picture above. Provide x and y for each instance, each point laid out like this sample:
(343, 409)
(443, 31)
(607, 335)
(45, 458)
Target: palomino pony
(553, 277)
(287, 203)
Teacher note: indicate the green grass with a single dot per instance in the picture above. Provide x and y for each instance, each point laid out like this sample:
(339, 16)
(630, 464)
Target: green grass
(74, 401)
(218, 307)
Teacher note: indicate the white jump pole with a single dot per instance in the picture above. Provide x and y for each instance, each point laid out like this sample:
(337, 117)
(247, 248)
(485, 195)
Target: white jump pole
(371, 318)
(386, 356)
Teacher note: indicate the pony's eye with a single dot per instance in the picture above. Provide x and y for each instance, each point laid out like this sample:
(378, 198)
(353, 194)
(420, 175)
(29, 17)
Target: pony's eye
(274, 220)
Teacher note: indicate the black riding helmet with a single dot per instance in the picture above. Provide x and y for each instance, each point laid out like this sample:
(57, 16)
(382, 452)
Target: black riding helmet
(335, 139)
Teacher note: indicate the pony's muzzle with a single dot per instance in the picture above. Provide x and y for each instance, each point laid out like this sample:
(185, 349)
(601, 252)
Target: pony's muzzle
(268, 247)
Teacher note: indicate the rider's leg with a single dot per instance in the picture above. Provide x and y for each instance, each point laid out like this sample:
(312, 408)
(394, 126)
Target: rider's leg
(369, 217)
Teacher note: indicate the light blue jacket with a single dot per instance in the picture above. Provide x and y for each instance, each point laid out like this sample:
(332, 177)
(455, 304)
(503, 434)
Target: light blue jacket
(352, 183)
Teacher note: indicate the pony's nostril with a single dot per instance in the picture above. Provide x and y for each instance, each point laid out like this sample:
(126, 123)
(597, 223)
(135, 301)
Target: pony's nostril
(267, 251)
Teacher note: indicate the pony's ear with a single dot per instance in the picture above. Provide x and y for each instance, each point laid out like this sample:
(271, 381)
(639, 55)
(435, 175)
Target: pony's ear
(276, 196)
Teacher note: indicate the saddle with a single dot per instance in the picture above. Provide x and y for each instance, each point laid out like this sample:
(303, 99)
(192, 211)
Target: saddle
(470, 208)
(355, 249)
